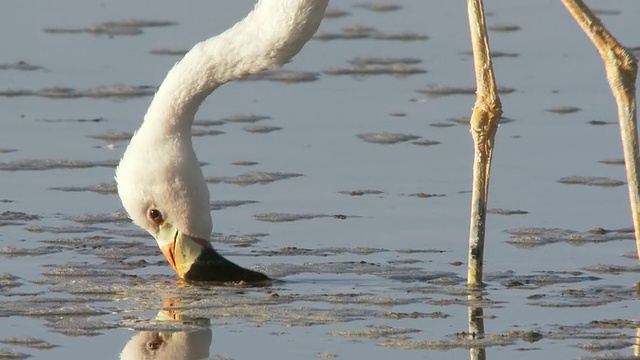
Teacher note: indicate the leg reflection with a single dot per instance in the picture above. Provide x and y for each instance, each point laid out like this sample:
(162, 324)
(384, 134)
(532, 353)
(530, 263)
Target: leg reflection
(476, 328)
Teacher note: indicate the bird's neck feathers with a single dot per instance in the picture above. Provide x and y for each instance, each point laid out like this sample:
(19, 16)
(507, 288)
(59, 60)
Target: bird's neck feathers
(268, 37)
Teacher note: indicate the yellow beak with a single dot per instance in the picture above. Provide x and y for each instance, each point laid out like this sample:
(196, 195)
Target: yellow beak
(180, 250)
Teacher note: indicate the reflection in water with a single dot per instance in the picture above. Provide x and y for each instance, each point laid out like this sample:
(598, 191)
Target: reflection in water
(476, 328)
(174, 345)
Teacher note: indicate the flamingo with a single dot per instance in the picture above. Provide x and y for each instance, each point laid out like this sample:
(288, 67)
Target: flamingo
(159, 179)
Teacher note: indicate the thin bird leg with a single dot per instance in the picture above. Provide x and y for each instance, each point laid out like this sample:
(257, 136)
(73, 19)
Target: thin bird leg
(621, 68)
(485, 119)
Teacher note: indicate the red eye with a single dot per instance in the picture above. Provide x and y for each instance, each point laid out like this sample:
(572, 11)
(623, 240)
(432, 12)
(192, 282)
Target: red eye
(156, 216)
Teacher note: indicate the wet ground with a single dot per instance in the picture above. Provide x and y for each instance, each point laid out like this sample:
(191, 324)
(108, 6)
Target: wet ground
(346, 177)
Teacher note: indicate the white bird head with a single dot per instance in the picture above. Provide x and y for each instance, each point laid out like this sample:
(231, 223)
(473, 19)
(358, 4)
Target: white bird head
(164, 192)
(160, 173)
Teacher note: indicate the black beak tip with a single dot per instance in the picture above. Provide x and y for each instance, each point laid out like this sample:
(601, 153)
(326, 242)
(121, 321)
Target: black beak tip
(213, 267)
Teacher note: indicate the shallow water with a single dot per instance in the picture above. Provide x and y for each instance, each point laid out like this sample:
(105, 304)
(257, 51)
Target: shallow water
(386, 281)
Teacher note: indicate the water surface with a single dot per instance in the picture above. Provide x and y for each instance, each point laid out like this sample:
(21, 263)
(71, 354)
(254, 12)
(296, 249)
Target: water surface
(386, 278)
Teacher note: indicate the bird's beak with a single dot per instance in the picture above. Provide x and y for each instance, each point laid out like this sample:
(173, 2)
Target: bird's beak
(195, 259)
(181, 250)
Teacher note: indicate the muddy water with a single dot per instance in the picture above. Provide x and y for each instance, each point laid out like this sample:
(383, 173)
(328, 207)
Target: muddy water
(370, 242)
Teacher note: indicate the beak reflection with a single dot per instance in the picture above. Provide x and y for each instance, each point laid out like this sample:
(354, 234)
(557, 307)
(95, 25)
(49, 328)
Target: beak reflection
(164, 344)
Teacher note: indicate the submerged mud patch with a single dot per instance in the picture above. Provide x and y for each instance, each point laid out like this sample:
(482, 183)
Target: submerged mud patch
(20, 66)
(8, 281)
(112, 28)
(223, 204)
(377, 332)
(112, 136)
(591, 181)
(404, 274)
(503, 27)
(496, 54)
(601, 122)
(282, 217)
(442, 90)
(245, 118)
(199, 132)
(102, 188)
(386, 138)
(78, 120)
(54, 308)
(598, 346)
(506, 212)
(171, 52)
(245, 163)
(238, 240)
(361, 192)
(379, 7)
(535, 237)
(564, 109)
(10, 251)
(540, 279)
(207, 123)
(260, 129)
(486, 341)
(612, 161)
(426, 195)
(108, 249)
(82, 271)
(51, 164)
(323, 252)
(365, 61)
(79, 326)
(64, 229)
(367, 32)
(612, 269)
(359, 298)
(121, 92)
(30, 342)
(425, 142)
(13, 354)
(586, 297)
(116, 217)
(252, 178)
(368, 70)
(604, 335)
(332, 13)
(285, 76)
(17, 216)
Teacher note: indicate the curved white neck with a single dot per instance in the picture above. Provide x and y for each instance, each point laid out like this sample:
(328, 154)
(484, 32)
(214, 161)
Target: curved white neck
(268, 37)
